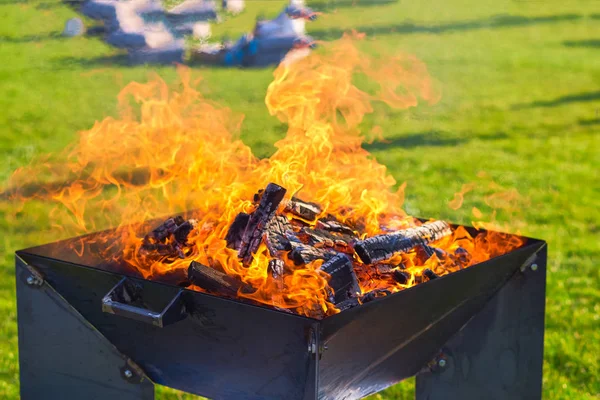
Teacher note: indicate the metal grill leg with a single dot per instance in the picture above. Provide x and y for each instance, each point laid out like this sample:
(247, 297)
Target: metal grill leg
(62, 357)
(498, 355)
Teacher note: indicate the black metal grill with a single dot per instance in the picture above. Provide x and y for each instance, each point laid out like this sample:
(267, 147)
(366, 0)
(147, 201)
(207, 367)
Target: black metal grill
(89, 331)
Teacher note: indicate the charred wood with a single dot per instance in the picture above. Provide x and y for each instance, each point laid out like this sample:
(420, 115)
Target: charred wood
(177, 230)
(236, 230)
(278, 234)
(383, 247)
(258, 196)
(429, 274)
(323, 238)
(374, 294)
(401, 277)
(304, 254)
(342, 279)
(258, 221)
(215, 281)
(462, 257)
(303, 209)
(164, 230)
(183, 231)
(425, 252)
(333, 225)
(276, 268)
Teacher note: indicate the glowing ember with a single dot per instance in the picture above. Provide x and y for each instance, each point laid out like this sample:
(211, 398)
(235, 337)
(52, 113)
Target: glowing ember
(177, 152)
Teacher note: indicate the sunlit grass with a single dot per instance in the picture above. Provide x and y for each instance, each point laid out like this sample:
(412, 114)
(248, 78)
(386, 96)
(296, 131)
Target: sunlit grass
(521, 94)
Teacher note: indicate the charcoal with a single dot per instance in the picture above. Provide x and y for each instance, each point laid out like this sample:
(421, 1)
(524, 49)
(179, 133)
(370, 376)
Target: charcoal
(383, 247)
(303, 254)
(303, 209)
(236, 230)
(401, 277)
(342, 278)
(258, 221)
(277, 235)
(374, 294)
(215, 281)
(276, 268)
(429, 274)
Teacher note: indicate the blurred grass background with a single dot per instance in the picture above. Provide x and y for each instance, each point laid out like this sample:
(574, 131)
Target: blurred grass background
(521, 101)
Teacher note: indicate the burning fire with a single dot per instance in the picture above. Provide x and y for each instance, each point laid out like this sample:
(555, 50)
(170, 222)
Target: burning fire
(172, 151)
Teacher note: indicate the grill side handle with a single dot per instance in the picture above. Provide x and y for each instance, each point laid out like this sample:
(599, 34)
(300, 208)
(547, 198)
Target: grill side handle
(125, 300)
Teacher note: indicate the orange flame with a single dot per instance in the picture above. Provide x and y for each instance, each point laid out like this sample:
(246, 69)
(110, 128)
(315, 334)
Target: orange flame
(176, 151)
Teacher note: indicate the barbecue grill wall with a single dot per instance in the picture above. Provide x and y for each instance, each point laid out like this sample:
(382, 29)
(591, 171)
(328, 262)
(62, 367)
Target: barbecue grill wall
(224, 349)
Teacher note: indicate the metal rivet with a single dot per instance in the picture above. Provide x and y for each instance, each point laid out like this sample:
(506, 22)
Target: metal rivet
(30, 280)
(534, 267)
(128, 373)
(442, 363)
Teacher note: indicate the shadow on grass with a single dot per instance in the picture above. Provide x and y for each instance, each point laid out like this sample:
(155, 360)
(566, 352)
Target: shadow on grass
(428, 138)
(321, 5)
(582, 43)
(589, 122)
(74, 4)
(31, 38)
(573, 98)
(117, 60)
(500, 21)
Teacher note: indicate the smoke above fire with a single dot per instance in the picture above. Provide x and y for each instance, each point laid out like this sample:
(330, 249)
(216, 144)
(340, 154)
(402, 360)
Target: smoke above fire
(174, 151)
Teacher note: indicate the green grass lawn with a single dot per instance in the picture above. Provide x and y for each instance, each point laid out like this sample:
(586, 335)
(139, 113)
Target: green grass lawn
(521, 101)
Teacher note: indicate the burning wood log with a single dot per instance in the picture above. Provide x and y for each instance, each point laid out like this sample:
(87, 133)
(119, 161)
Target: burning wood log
(374, 294)
(323, 238)
(177, 229)
(303, 254)
(276, 268)
(163, 249)
(258, 221)
(333, 225)
(383, 247)
(278, 235)
(183, 231)
(429, 274)
(236, 230)
(164, 230)
(303, 209)
(401, 277)
(342, 279)
(215, 281)
(462, 257)
(425, 252)
(366, 298)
